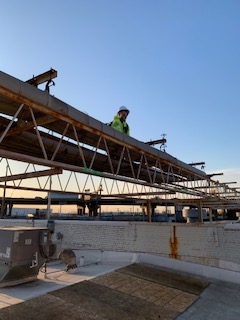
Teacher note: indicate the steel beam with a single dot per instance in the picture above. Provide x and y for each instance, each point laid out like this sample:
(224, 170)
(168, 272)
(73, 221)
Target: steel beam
(28, 175)
(43, 77)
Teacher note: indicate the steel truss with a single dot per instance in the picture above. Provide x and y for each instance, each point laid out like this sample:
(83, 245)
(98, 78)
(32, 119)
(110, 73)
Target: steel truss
(68, 145)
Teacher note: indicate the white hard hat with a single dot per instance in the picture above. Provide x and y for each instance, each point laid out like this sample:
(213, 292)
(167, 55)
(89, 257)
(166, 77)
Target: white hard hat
(123, 109)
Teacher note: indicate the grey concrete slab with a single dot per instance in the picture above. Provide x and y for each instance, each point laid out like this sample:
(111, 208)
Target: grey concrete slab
(220, 300)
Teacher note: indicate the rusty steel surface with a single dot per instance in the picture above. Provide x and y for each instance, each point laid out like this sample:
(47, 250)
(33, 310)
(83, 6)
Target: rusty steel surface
(40, 129)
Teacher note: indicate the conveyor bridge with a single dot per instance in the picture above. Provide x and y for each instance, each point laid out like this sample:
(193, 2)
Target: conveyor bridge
(73, 152)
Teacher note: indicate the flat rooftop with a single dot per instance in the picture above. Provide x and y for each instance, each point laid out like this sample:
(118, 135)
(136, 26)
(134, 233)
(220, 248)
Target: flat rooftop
(111, 285)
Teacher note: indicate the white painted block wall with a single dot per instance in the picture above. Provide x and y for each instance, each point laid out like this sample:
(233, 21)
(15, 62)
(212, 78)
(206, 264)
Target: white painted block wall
(215, 245)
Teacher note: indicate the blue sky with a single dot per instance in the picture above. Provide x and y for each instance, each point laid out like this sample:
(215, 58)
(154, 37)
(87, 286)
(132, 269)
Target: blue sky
(174, 64)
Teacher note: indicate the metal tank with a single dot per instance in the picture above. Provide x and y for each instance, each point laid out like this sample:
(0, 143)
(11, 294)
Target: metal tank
(192, 214)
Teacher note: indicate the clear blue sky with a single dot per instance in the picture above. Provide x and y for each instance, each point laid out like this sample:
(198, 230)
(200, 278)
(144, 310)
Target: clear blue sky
(174, 64)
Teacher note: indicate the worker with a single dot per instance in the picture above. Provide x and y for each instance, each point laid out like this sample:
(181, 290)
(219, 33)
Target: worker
(119, 121)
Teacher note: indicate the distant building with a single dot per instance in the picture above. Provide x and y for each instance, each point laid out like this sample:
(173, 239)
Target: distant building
(22, 212)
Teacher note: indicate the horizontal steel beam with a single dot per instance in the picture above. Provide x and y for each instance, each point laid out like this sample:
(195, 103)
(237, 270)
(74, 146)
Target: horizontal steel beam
(28, 175)
(56, 164)
(43, 77)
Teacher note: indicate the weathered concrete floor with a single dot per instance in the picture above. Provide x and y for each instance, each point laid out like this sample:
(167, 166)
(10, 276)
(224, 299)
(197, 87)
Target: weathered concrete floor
(133, 292)
(220, 301)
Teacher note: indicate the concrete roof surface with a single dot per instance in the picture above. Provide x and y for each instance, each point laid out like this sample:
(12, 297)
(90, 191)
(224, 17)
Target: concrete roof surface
(116, 288)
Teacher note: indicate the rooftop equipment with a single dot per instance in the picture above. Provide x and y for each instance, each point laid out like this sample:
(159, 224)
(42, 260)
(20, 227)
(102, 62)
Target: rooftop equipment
(23, 251)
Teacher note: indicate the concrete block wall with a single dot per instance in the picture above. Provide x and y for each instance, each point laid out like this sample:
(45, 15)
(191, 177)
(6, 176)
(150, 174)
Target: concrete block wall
(23, 223)
(215, 245)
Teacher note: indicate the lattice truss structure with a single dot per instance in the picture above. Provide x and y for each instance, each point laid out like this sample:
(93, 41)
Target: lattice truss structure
(47, 145)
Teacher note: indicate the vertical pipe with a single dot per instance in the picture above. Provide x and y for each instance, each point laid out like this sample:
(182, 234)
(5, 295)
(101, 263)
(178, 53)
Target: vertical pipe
(100, 189)
(4, 194)
(148, 210)
(200, 217)
(210, 215)
(49, 198)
